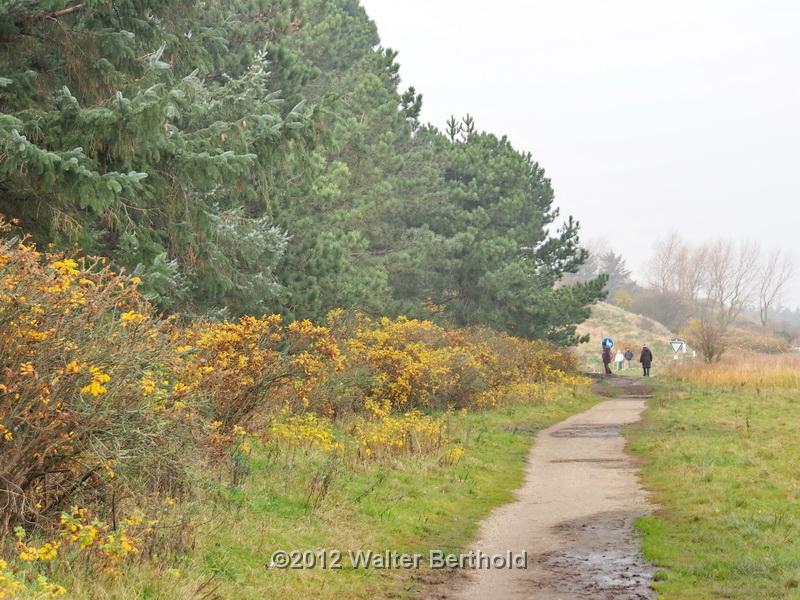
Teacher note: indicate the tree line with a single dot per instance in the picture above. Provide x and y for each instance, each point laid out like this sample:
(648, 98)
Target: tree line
(712, 285)
(261, 156)
(701, 289)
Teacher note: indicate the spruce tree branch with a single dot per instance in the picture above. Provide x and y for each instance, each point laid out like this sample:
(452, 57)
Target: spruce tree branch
(54, 16)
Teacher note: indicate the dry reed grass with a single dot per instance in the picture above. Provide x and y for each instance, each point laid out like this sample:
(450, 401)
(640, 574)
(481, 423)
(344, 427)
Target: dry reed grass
(745, 369)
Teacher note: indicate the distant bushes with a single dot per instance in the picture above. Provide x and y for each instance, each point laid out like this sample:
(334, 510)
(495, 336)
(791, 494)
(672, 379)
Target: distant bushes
(758, 341)
(414, 364)
(107, 410)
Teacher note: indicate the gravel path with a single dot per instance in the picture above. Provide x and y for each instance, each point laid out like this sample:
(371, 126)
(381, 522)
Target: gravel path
(573, 515)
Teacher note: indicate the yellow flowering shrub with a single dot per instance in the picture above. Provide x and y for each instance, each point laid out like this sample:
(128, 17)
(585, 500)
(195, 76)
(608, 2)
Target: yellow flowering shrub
(413, 364)
(454, 455)
(412, 432)
(71, 398)
(15, 585)
(107, 549)
(305, 431)
(100, 398)
(10, 585)
(255, 362)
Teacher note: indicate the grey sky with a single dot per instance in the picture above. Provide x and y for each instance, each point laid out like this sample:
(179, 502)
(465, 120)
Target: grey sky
(647, 115)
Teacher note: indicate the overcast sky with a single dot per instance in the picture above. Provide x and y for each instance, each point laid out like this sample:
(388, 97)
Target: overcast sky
(648, 115)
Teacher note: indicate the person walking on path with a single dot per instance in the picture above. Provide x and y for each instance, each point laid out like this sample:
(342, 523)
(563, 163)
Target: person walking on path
(646, 358)
(606, 356)
(619, 358)
(629, 357)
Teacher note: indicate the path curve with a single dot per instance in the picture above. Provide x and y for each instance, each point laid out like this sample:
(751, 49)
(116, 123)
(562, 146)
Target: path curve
(574, 514)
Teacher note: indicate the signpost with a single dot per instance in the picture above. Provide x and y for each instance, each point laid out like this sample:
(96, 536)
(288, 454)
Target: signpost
(678, 345)
(608, 342)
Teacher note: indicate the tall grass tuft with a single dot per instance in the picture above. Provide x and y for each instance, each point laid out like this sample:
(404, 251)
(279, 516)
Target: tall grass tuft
(744, 369)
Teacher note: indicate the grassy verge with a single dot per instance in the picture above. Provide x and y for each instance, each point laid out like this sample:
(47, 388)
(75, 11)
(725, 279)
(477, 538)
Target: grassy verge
(722, 462)
(410, 505)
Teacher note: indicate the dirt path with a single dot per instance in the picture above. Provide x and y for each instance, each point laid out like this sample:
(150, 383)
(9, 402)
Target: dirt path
(573, 515)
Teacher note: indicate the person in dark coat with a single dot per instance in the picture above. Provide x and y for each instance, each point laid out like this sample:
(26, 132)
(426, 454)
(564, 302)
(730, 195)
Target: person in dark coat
(606, 356)
(646, 358)
(629, 357)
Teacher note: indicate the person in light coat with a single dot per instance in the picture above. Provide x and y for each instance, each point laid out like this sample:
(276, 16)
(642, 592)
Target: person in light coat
(619, 358)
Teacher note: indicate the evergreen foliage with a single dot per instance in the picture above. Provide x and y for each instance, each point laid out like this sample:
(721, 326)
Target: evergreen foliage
(260, 155)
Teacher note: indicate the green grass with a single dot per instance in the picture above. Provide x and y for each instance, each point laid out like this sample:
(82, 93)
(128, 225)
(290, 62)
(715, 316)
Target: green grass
(724, 466)
(412, 505)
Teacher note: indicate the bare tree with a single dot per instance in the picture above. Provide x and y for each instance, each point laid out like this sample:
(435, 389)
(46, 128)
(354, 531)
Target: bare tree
(776, 272)
(729, 286)
(663, 264)
(690, 270)
(591, 268)
(730, 277)
(709, 286)
(676, 271)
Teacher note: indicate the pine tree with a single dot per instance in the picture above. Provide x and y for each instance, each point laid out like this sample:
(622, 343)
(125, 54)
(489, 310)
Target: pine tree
(259, 156)
(122, 131)
(619, 276)
(488, 255)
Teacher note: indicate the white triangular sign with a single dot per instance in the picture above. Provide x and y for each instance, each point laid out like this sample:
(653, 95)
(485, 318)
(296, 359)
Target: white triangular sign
(676, 345)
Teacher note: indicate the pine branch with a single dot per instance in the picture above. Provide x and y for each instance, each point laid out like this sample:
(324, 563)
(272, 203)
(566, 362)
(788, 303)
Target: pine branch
(54, 16)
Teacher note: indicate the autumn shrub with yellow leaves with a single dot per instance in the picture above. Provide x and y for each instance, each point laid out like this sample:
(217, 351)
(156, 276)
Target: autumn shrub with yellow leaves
(75, 425)
(254, 363)
(409, 364)
(392, 369)
(79, 538)
(79, 541)
(392, 435)
(303, 431)
(109, 409)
